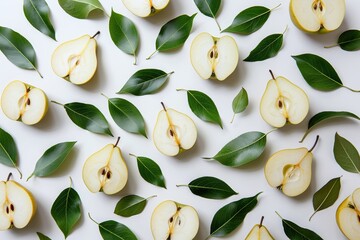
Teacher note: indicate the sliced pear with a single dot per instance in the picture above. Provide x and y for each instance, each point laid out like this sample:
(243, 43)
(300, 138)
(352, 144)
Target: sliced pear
(145, 8)
(317, 15)
(76, 60)
(348, 216)
(171, 220)
(289, 170)
(174, 132)
(105, 170)
(283, 102)
(17, 205)
(22, 102)
(259, 232)
(214, 57)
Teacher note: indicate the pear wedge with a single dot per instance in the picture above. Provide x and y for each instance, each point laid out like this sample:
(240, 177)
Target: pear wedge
(105, 170)
(259, 232)
(145, 8)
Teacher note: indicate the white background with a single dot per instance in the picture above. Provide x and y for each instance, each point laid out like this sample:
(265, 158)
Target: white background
(115, 68)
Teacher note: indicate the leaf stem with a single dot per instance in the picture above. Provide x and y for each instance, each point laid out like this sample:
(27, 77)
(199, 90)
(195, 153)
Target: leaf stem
(151, 54)
(92, 219)
(153, 196)
(71, 181)
(171, 72)
(272, 75)
(133, 155)
(285, 30)
(181, 89)
(271, 131)
(316, 141)
(207, 158)
(232, 119)
(279, 215)
(353, 90)
(217, 23)
(117, 142)
(135, 59)
(275, 7)
(57, 103)
(163, 105)
(30, 177)
(20, 173)
(182, 185)
(104, 96)
(97, 33)
(38, 72)
(312, 215)
(261, 221)
(9, 176)
(331, 46)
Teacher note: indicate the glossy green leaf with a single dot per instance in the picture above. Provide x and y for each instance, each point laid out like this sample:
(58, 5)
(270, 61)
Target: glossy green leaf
(8, 150)
(37, 13)
(295, 232)
(210, 187)
(326, 196)
(346, 155)
(174, 33)
(267, 48)
(145, 81)
(111, 230)
(52, 159)
(249, 20)
(240, 102)
(124, 34)
(229, 217)
(80, 8)
(87, 116)
(17, 49)
(66, 210)
(244, 149)
(127, 116)
(131, 205)
(42, 236)
(319, 73)
(348, 41)
(203, 106)
(150, 171)
(209, 8)
(326, 115)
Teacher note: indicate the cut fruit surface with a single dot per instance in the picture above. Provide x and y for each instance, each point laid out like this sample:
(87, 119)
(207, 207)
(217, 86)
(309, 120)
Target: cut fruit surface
(145, 8)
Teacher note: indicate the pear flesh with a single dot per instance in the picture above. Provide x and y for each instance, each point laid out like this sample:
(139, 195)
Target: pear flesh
(174, 132)
(76, 60)
(171, 220)
(17, 205)
(105, 171)
(259, 232)
(348, 216)
(145, 8)
(213, 57)
(317, 15)
(283, 102)
(21, 102)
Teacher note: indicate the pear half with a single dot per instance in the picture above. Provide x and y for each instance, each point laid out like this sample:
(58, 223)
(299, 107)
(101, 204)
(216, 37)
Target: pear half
(317, 15)
(22, 102)
(76, 60)
(105, 170)
(175, 221)
(348, 216)
(17, 205)
(283, 102)
(145, 8)
(214, 57)
(289, 170)
(259, 232)
(174, 132)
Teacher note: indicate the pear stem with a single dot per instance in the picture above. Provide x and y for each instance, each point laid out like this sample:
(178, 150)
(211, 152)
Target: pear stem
(92, 219)
(30, 177)
(104, 96)
(117, 142)
(331, 46)
(162, 104)
(9, 176)
(151, 54)
(353, 90)
(232, 119)
(261, 221)
(275, 7)
(57, 103)
(316, 141)
(217, 23)
(272, 75)
(97, 33)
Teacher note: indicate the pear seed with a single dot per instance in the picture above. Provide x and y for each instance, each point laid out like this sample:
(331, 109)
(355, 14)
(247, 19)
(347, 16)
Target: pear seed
(28, 101)
(211, 54)
(171, 133)
(103, 172)
(280, 104)
(7, 209)
(108, 175)
(12, 207)
(171, 220)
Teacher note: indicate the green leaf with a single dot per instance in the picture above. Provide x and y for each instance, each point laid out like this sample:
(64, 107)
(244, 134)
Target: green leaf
(240, 102)
(229, 217)
(326, 196)
(348, 41)
(124, 34)
(209, 8)
(17, 49)
(346, 154)
(249, 20)
(52, 159)
(127, 116)
(150, 171)
(145, 81)
(322, 116)
(66, 210)
(244, 149)
(174, 33)
(42, 236)
(111, 230)
(37, 13)
(87, 116)
(8, 150)
(210, 187)
(267, 48)
(319, 73)
(203, 106)
(80, 8)
(295, 232)
(131, 205)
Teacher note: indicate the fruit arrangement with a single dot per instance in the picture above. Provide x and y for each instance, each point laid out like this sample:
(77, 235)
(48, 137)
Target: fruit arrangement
(148, 119)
